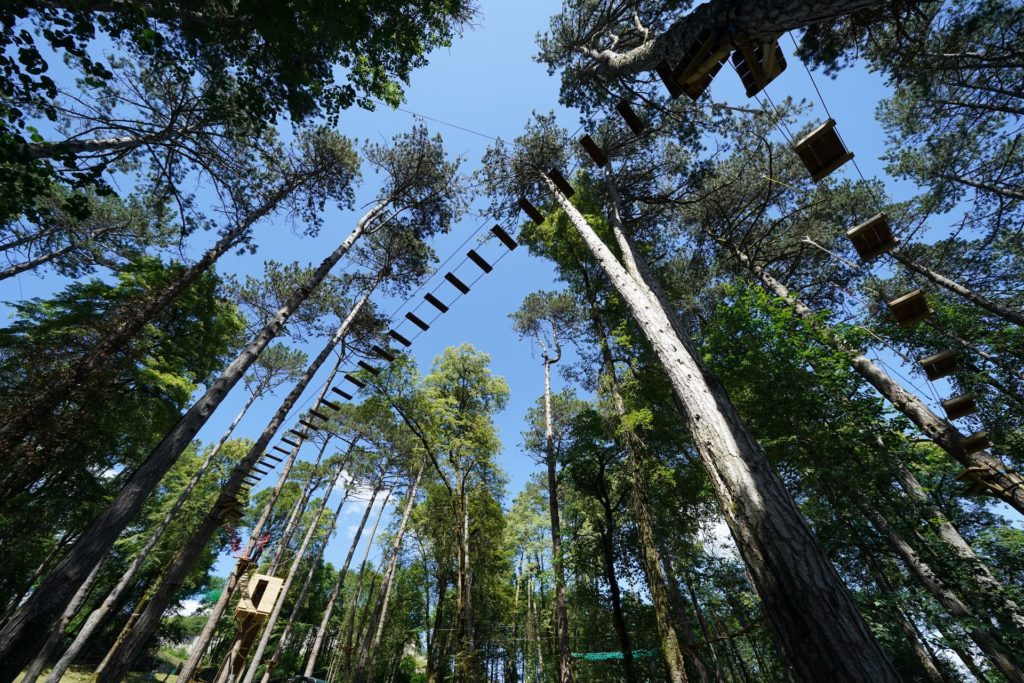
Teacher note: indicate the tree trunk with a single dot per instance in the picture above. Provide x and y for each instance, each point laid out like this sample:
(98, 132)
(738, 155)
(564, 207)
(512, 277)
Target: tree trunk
(986, 640)
(357, 594)
(565, 673)
(245, 634)
(804, 599)
(31, 624)
(293, 569)
(755, 19)
(76, 147)
(1004, 312)
(339, 585)
(1010, 484)
(113, 598)
(368, 657)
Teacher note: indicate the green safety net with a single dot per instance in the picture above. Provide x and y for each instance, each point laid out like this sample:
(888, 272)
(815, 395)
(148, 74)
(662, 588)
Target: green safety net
(213, 595)
(602, 656)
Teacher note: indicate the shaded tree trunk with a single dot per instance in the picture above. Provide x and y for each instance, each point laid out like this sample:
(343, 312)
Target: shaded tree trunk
(565, 673)
(17, 426)
(32, 623)
(618, 617)
(755, 19)
(804, 599)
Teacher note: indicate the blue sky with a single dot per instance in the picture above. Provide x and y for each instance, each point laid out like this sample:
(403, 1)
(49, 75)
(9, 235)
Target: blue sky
(488, 82)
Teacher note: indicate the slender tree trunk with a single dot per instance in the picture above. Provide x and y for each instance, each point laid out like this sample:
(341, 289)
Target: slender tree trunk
(705, 631)
(357, 594)
(16, 426)
(804, 598)
(984, 638)
(31, 624)
(640, 503)
(1010, 484)
(339, 585)
(233, 665)
(368, 657)
(995, 308)
(184, 559)
(19, 593)
(565, 673)
(113, 598)
(293, 569)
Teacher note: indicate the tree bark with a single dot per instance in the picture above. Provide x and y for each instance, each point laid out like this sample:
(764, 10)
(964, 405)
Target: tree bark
(36, 668)
(985, 639)
(995, 308)
(984, 581)
(804, 599)
(618, 617)
(186, 557)
(757, 20)
(925, 658)
(940, 431)
(318, 641)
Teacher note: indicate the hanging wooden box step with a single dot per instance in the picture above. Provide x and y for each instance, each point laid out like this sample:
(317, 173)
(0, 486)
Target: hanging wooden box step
(822, 150)
(971, 473)
(505, 238)
(702, 62)
(873, 237)
(910, 308)
(531, 210)
(978, 441)
(594, 151)
(435, 302)
(259, 596)
(383, 353)
(758, 64)
(664, 71)
(634, 122)
(369, 368)
(555, 176)
(940, 365)
(959, 406)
